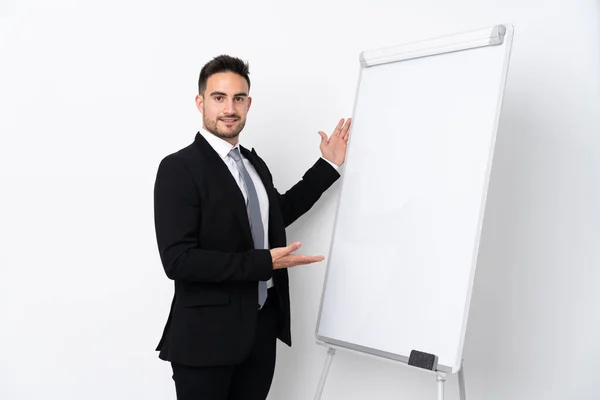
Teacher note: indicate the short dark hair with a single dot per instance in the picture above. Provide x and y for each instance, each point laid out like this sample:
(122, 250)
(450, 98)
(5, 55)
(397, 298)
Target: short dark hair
(223, 63)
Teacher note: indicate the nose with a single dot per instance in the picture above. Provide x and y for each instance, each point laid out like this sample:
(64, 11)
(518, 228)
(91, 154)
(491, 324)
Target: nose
(228, 107)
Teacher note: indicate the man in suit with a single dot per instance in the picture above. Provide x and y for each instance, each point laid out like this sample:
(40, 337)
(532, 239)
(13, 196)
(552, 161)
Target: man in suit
(220, 227)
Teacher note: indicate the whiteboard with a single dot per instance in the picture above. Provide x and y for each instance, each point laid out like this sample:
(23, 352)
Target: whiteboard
(412, 198)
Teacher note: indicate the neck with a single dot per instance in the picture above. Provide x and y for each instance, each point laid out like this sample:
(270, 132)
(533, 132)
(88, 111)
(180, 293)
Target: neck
(232, 141)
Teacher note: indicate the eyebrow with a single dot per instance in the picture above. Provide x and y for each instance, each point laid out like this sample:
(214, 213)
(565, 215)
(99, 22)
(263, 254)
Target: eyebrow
(223, 94)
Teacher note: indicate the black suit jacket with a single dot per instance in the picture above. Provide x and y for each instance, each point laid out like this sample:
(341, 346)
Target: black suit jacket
(206, 248)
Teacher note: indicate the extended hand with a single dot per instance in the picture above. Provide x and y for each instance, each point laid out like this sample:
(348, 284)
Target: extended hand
(334, 148)
(283, 259)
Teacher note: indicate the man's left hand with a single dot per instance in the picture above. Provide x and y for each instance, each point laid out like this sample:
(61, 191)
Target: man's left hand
(334, 148)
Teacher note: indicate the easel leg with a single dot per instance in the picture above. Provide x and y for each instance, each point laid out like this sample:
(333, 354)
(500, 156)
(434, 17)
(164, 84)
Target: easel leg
(461, 383)
(330, 354)
(441, 380)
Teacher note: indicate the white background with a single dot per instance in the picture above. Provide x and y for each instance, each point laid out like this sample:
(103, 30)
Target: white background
(93, 95)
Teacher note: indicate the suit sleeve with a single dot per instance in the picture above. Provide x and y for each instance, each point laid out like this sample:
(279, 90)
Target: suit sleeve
(304, 194)
(177, 218)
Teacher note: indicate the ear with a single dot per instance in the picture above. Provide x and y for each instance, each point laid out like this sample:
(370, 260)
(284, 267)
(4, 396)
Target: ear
(200, 102)
(249, 103)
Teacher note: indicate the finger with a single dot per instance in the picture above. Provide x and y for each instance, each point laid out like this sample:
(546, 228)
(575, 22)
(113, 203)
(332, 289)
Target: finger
(292, 260)
(300, 259)
(323, 137)
(293, 247)
(338, 128)
(282, 252)
(346, 129)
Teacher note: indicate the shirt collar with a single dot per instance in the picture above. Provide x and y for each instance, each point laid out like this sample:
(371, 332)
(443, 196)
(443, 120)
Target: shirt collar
(221, 146)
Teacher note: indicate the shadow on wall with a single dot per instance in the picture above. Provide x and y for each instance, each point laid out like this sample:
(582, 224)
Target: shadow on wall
(488, 337)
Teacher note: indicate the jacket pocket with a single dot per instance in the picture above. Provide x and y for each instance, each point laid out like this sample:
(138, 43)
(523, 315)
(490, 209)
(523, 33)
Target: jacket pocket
(205, 298)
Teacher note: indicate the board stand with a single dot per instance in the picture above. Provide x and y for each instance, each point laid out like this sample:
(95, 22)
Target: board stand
(441, 383)
(328, 360)
(440, 378)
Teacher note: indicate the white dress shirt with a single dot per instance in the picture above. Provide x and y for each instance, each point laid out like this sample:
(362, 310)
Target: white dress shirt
(223, 147)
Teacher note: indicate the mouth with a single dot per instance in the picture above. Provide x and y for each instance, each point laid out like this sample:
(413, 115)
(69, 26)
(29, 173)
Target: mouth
(228, 120)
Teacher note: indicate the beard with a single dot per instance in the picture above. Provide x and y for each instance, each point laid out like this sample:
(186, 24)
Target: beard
(212, 125)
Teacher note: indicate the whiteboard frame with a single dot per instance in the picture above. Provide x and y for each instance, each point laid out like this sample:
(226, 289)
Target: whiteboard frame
(497, 35)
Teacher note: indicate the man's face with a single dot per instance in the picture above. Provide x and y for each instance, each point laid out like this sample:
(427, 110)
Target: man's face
(224, 105)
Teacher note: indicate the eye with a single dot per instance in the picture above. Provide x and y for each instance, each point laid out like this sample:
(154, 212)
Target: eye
(240, 99)
(218, 98)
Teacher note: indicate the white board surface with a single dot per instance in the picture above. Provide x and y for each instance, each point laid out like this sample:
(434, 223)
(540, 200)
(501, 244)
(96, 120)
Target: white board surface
(406, 235)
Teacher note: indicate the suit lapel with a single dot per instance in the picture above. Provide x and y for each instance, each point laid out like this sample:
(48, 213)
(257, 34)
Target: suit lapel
(227, 184)
(260, 170)
(253, 158)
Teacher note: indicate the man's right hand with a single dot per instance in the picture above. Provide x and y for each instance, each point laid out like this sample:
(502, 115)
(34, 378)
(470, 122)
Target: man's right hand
(282, 257)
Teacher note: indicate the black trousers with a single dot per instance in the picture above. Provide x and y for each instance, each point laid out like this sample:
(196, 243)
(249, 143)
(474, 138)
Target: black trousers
(250, 380)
